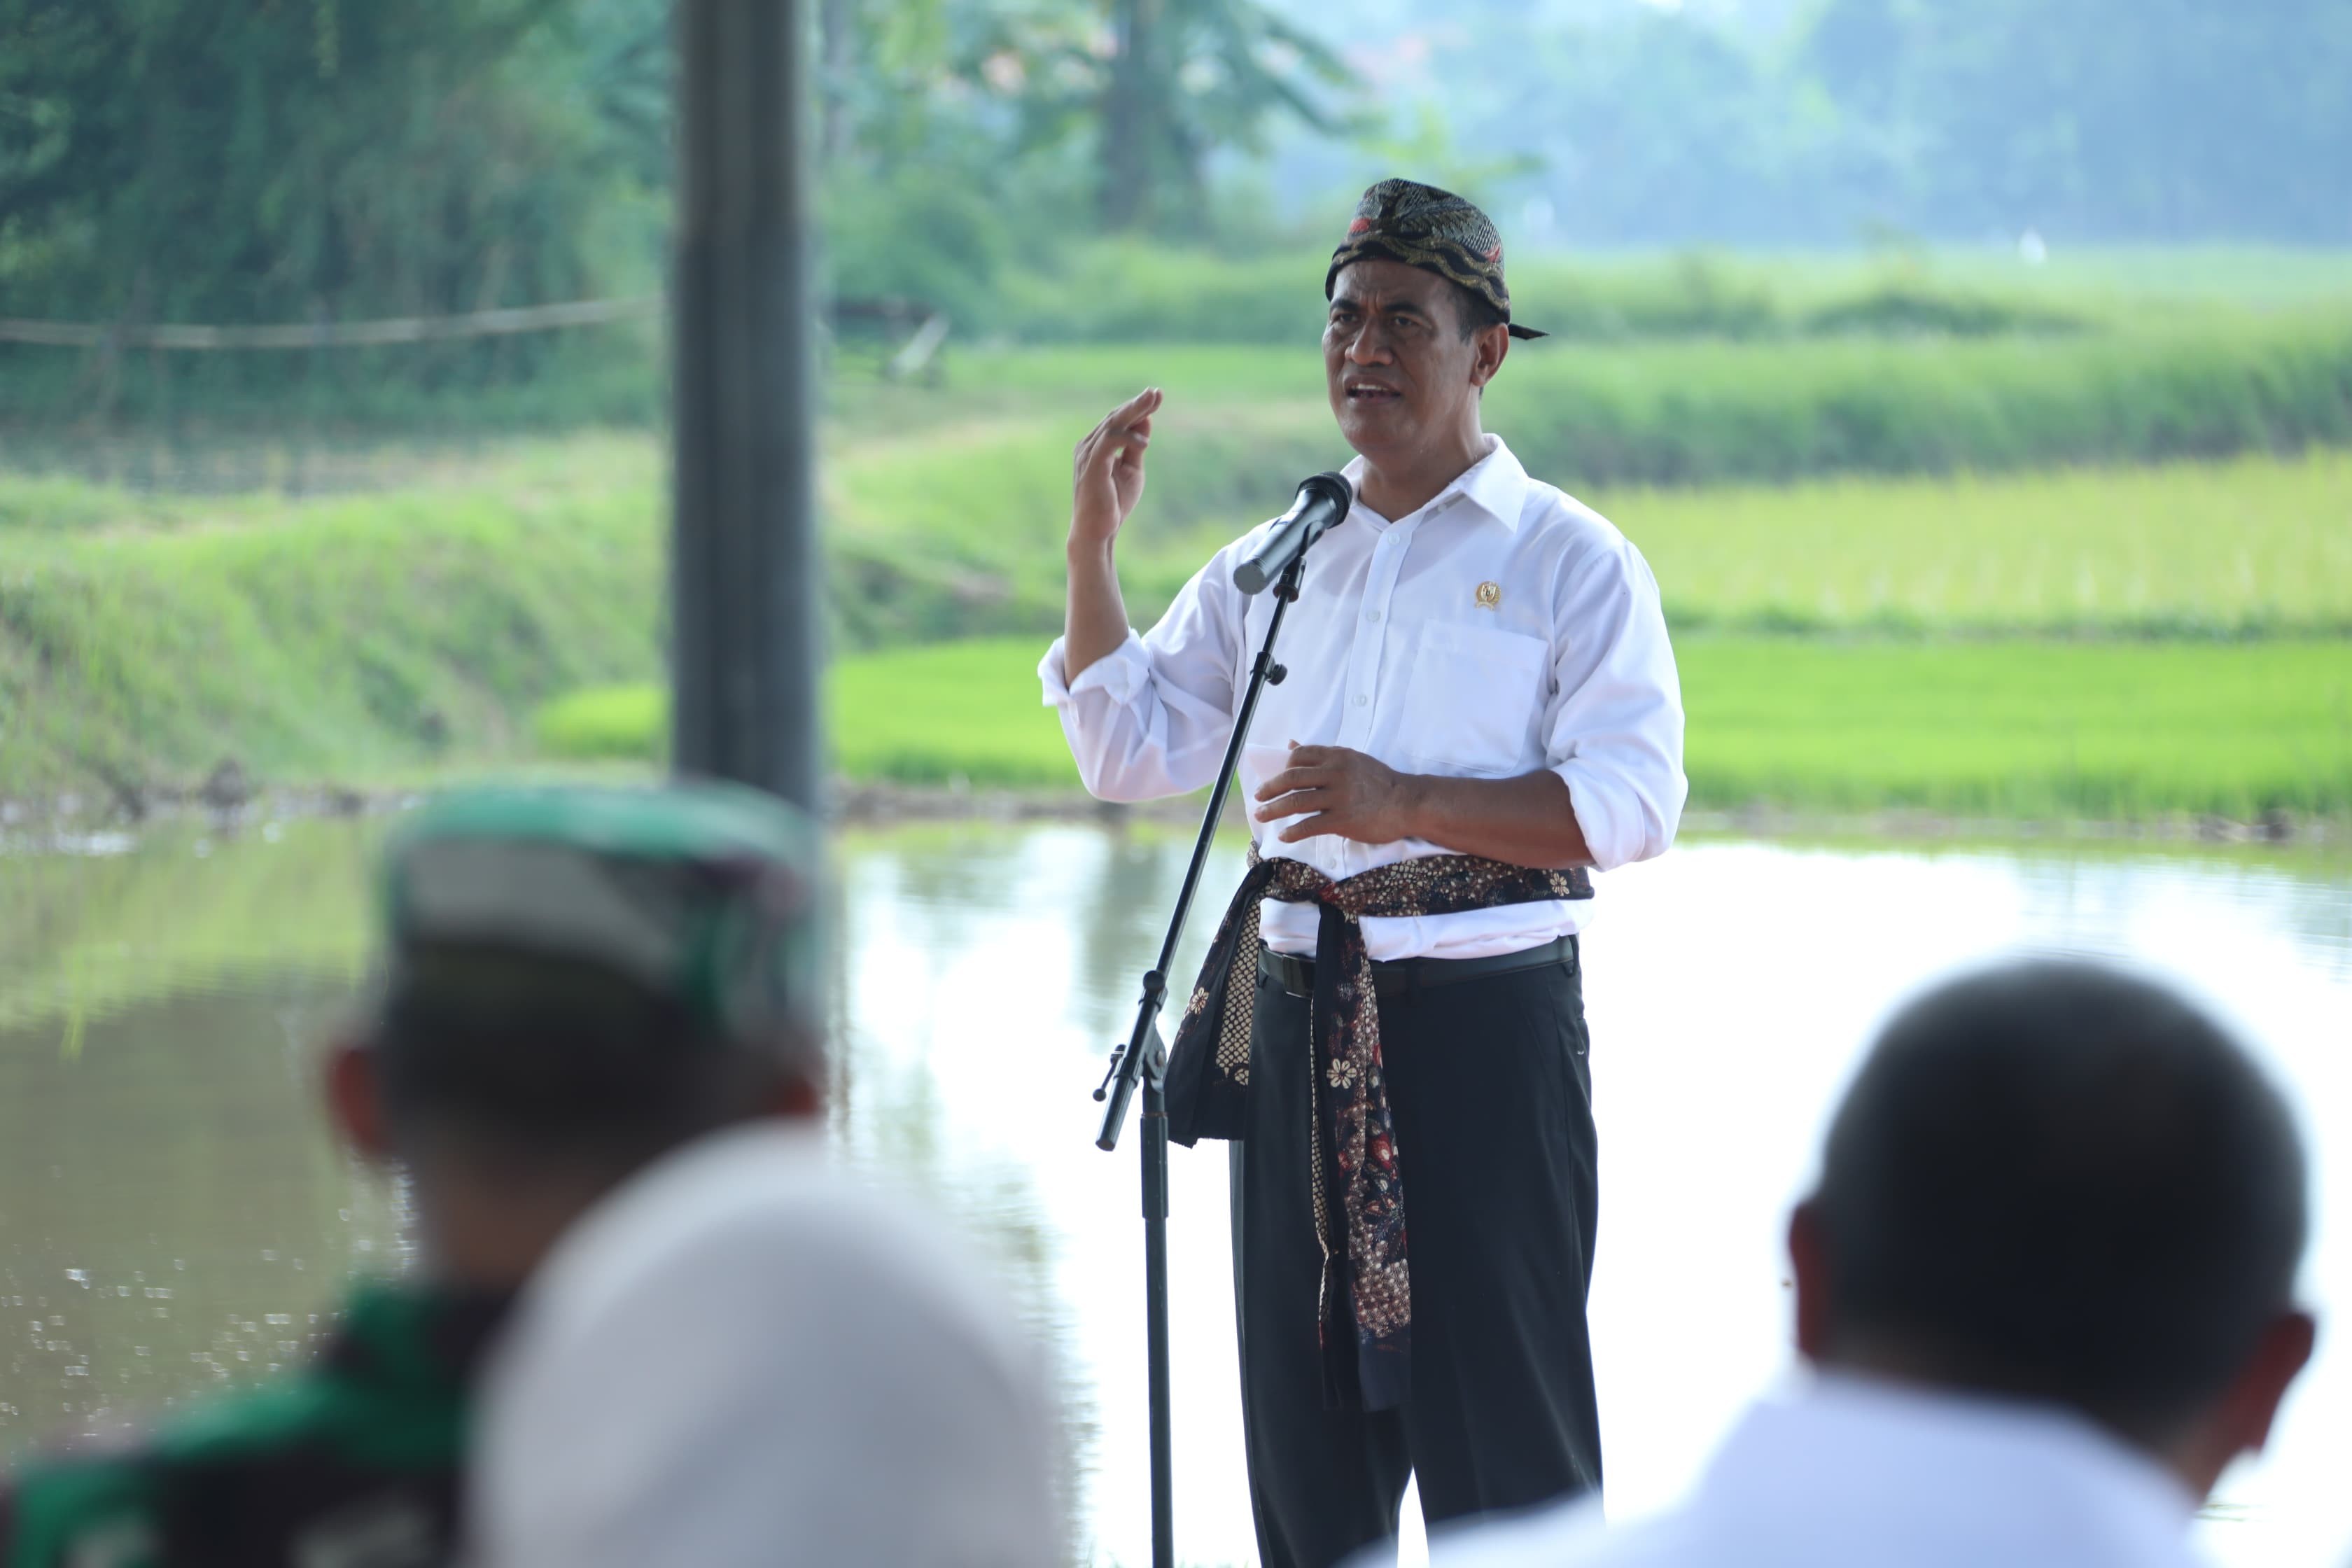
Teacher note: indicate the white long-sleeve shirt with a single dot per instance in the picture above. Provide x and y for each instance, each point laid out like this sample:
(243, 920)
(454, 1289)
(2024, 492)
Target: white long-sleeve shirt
(1504, 627)
(1857, 1473)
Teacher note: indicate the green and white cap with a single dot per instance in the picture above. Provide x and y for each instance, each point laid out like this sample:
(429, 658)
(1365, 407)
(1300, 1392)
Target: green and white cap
(703, 896)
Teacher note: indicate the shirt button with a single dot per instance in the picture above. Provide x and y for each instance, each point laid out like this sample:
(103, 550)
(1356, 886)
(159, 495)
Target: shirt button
(1361, 700)
(1371, 614)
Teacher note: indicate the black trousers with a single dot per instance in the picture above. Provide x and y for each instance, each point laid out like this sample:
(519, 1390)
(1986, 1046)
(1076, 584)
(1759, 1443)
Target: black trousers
(1490, 1088)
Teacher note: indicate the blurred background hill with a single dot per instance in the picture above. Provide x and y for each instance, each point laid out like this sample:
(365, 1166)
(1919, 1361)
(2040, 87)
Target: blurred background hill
(1812, 123)
(1889, 329)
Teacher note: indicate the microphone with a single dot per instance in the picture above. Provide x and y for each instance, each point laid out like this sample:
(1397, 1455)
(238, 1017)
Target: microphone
(1322, 501)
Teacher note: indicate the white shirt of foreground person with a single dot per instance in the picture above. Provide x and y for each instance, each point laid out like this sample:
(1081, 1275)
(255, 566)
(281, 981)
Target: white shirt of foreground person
(1503, 629)
(744, 1357)
(1856, 1473)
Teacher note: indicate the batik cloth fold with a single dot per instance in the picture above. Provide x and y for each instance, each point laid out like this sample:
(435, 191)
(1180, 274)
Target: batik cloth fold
(1365, 1309)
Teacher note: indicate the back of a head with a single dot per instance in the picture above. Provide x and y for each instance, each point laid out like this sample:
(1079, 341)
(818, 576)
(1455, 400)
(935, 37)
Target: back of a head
(2057, 1181)
(584, 978)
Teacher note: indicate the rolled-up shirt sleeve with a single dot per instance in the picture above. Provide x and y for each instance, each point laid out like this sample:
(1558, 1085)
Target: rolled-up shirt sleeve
(1152, 718)
(1613, 729)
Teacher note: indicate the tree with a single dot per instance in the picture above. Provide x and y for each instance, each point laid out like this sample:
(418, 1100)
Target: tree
(268, 160)
(1158, 86)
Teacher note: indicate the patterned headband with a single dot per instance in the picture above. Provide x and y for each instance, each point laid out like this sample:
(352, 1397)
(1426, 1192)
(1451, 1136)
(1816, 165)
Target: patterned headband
(1437, 231)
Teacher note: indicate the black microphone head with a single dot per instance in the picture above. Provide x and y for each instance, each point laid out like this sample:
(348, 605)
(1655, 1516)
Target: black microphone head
(1323, 503)
(1336, 486)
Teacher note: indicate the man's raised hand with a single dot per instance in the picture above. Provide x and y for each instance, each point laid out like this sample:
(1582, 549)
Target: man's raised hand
(1108, 471)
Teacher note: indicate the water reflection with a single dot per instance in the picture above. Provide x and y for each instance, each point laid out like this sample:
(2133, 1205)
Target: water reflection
(172, 1216)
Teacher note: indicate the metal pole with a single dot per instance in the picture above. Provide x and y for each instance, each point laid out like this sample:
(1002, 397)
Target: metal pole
(1142, 1063)
(743, 574)
(1158, 1399)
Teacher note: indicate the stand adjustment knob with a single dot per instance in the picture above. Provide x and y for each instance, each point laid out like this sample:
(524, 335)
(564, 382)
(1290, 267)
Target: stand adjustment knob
(1275, 674)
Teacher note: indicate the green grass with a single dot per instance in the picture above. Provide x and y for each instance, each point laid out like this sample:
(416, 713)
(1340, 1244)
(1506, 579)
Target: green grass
(2244, 547)
(605, 374)
(2262, 276)
(1116, 292)
(1698, 411)
(928, 715)
(954, 517)
(2028, 729)
(143, 636)
(2249, 546)
(2021, 729)
(142, 640)
(1124, 292)
(357, 635)
(1911, 381)
(1702, 413)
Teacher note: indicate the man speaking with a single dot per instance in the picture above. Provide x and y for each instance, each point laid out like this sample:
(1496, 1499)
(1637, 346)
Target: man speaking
(1481, 706)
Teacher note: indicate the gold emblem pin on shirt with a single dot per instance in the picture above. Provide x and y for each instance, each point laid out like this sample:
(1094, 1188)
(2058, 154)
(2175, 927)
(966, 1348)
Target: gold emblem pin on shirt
(1489, 595)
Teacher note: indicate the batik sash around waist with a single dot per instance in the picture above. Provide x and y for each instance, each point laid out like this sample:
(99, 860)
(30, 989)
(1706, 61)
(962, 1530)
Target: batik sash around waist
(1365, 1313)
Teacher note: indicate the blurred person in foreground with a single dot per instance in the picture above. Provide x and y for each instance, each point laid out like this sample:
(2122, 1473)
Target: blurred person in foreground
(744, 1360)
(1390, 1026)
(571, 984)
(2045, 1284)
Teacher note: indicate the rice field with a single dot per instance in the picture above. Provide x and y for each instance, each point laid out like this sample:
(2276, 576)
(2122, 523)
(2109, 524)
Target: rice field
(2013, 728)
(1905, 603)
(2246, 546)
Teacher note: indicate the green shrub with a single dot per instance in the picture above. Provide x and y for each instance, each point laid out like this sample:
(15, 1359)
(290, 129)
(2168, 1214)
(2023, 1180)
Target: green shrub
(1687, 413)
(1660, 413)
(999, 284)
(1896, 309)
(1128, 291)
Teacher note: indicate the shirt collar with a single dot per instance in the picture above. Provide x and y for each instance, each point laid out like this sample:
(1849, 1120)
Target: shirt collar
(1495, 484)
(1881, 1455)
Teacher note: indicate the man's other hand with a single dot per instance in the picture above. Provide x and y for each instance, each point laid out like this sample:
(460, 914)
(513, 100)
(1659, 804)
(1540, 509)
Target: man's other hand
(1342, 792)
(1107, 472)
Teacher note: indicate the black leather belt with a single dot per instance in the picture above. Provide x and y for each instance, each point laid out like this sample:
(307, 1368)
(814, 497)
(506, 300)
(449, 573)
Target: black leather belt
(1401, 976)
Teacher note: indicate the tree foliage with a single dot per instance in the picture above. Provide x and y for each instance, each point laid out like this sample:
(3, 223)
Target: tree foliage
(268, 160)
(959, 137)
(283, 160)
(1157, 85)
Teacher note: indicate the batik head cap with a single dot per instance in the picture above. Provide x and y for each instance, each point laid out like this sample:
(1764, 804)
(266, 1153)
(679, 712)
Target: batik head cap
(1437, 231)
(703, 896)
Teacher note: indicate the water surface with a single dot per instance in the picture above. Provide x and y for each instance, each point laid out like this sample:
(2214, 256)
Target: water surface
(173, 1218)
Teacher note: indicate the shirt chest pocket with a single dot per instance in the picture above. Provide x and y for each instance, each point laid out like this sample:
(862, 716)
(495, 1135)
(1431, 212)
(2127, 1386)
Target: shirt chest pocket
(1473, 699)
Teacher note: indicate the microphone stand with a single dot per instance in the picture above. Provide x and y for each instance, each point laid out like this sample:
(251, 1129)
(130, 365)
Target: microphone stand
(1143, 1061)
